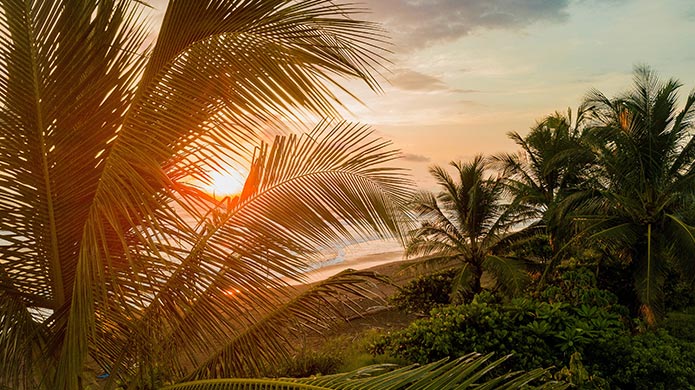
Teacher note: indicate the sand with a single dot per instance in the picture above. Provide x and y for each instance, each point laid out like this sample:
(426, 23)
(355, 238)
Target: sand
(358, 263)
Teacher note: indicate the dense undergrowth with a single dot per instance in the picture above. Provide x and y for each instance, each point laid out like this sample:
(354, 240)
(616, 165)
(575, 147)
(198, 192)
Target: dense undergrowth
(583, 331)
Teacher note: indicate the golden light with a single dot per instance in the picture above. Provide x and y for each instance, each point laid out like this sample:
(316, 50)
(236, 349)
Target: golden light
(226, 183)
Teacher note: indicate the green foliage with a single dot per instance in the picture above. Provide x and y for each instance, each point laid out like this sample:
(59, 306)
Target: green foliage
(578, 286)
(571, 325)
(654, 360)
(338, 354)
(578, 376)
(680, 325)
(464, 223)
(425, 293)
(567, 318)
(538, 334)
(643, 147)
(679, 292)
(468, 372)
(551, 165)
(308, 363)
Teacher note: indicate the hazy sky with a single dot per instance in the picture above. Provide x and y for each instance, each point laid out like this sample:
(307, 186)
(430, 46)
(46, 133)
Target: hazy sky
(465, 72)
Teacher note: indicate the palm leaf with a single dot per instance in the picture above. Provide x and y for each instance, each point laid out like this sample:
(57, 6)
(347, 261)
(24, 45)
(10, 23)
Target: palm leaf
(304, 192)
(269, 341)
(685, 238)
(462, 373)
(510, 274)
(462, 284)
(96, 132)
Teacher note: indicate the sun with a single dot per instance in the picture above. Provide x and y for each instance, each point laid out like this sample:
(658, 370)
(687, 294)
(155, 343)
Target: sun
(226, 183)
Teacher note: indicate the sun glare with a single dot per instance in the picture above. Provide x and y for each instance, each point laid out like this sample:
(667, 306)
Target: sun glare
(226, 183)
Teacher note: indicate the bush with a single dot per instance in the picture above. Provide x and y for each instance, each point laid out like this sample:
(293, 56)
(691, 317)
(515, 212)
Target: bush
(572, 325)
(538, 334)
(680, 325)
(425, 293)
(308, 363)
(678, 290)
(654, 360)
(578, 286)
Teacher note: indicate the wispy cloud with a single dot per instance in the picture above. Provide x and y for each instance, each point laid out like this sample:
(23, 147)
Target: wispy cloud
(416, 157)
(416, 24)
(411, 80)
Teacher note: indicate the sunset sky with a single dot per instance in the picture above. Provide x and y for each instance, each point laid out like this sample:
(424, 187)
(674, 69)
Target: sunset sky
(465, 72)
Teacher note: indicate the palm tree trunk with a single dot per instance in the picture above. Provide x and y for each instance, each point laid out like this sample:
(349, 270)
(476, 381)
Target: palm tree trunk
(477, 276)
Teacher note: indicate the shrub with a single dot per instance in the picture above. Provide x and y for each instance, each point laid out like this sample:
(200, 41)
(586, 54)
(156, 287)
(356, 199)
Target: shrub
(678, 290)
(654, 360)
(308, 363)
(538, 334)
(578, 286)
(425, 293)
(680, 325)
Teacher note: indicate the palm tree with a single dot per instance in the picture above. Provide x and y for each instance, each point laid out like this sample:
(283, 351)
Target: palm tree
(109, 257)
(464, 223)
(552, 164)
(645, 182)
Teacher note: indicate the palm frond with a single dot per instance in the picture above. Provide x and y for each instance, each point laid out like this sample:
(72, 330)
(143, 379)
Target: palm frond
(510, 274)
(303, 193)
(684, 236)
(67, 78)
(97, 131)
(269, 341)
(465, 372)
(462, 285)
(23, 363)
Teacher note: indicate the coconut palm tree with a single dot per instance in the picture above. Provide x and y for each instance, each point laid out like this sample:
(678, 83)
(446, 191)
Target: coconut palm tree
(110, 259)
(552, 164)
(464, 223)
(645, 182)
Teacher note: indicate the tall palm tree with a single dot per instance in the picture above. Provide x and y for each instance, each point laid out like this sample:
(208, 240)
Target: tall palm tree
(552, 164)
(464, 223)
(645, 182)
(109, 258)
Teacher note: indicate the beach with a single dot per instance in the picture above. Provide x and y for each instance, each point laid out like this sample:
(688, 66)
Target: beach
(359, 256)
(360, 262)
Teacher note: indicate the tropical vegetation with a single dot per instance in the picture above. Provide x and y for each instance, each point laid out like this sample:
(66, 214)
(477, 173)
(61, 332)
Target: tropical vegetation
(573, 326)
(462, 373)
(464, 224)
(118, 270)
(603, 208)
(551, 164)
(641, 201)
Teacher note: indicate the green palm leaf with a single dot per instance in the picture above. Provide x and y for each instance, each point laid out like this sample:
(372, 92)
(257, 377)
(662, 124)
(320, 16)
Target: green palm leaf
(465, 222)
(462, 373)
(644, 154)
(510, 274)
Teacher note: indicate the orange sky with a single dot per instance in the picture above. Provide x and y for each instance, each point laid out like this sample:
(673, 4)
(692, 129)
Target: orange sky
(465, 72)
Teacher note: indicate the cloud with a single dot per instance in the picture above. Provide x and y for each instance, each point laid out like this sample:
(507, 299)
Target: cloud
(410, 80)
(416, 157)
(418, 23)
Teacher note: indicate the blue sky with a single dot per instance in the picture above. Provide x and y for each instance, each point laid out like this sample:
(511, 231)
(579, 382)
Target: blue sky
(465, 72)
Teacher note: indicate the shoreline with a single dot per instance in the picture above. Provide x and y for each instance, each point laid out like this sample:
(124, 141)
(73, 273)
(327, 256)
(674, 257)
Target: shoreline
(358, 263)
